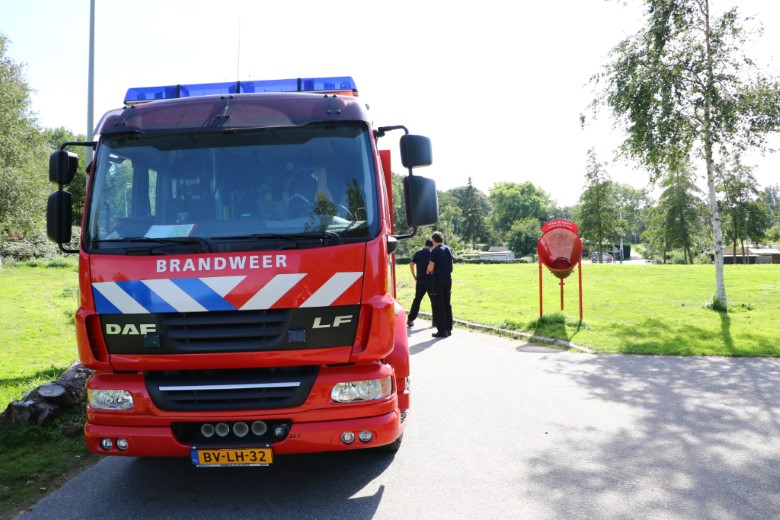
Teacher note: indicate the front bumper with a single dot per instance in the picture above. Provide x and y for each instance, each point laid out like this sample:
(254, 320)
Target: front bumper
(314, 426)
(155, 441)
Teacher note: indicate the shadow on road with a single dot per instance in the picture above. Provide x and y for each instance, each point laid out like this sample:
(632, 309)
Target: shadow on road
(686, 414)
(294, 486)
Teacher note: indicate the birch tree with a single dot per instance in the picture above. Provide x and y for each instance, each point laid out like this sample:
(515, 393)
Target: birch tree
(682, 87)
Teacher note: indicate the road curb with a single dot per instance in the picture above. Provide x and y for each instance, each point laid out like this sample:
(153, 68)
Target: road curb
(532, 338)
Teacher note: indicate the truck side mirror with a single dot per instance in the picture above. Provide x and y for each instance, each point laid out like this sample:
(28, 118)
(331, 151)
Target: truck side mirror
(416, 151)
(63, 166)
(59, 217)
(422, 203)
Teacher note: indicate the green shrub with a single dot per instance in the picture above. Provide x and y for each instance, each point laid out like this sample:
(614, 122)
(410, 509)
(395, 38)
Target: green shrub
(676, 257)
(34, 246)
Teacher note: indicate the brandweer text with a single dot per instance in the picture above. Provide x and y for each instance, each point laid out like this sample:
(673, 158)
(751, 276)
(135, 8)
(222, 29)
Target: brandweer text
(176, 265)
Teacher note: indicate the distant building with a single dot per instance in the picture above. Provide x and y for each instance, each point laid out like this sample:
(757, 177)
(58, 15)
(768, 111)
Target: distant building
(494, 254)
(753, 255)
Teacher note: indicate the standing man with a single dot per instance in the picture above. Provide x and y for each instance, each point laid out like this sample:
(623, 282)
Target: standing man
(440, 266)
(420, 260)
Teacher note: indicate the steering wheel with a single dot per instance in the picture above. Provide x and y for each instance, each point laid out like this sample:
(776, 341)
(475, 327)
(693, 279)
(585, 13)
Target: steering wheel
(302, 204)
(344, 212)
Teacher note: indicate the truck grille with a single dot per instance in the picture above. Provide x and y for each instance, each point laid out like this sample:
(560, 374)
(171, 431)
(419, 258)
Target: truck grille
(245, 389)
(227, 331)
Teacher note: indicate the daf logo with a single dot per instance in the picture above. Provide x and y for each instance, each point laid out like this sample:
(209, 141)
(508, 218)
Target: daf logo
(131, 329)
(337, 322)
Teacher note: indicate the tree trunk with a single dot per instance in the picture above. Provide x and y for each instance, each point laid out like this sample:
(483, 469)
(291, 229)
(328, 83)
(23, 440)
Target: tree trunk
(720, 283)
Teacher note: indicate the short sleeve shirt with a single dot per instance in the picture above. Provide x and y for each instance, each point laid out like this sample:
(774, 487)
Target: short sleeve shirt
(421, 259)
(441, 256)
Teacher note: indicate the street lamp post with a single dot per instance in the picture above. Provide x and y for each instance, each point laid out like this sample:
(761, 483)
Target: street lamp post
(91, 79)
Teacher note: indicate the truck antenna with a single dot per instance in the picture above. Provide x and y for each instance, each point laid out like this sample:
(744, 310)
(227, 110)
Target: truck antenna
(238, 56)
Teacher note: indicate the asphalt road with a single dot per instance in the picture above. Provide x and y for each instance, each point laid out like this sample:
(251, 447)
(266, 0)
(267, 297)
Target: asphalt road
(502, 429)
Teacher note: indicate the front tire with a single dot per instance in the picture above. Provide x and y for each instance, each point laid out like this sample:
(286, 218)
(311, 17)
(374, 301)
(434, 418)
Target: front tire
(393, 446)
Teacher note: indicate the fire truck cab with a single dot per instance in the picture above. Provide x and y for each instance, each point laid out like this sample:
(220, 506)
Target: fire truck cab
(237, 295)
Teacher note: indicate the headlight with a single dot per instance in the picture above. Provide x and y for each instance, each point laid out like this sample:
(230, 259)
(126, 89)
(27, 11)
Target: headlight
(110, 399)
(368, 390)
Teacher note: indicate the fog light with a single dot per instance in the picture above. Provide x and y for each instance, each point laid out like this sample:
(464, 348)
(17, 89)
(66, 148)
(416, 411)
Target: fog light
(280, 431)
(106, 444)
(207, 430)
(240, 429)
(366, 436)
(121, 444)
(347, 437)
(222, 429)
(259, 428)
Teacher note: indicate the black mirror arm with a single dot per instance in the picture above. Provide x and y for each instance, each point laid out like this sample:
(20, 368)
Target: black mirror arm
(382, 130)
(67, 250)
(404, 237)
(93, 144)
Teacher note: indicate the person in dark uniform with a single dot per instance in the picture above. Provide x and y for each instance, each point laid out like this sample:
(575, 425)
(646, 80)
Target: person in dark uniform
(440, 266)
(420, 260)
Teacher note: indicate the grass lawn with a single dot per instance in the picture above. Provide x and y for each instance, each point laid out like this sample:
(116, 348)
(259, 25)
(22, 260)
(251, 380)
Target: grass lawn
(37, 344)
(628, 308)
(37, 339)
(35, 461)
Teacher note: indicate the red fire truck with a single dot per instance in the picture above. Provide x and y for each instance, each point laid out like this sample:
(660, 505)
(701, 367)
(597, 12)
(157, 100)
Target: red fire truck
(236, 272)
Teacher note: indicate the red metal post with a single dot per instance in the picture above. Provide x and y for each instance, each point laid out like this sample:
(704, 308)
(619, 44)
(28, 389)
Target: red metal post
(540, 288)
(561, 294)
(579, 271)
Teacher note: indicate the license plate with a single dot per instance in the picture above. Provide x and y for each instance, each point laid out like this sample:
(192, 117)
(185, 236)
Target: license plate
(232, 457)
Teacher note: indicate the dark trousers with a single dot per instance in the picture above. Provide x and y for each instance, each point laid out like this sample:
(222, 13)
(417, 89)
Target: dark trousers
(421, 290)
(442, 308)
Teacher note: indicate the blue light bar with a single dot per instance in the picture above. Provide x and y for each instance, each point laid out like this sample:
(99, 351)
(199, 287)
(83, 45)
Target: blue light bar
(330, 84)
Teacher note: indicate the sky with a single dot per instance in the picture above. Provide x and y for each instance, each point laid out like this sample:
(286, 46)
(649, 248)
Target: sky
(498, 86)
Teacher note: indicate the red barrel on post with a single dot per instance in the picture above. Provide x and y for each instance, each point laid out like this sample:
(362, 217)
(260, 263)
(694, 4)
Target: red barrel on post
(560, 251)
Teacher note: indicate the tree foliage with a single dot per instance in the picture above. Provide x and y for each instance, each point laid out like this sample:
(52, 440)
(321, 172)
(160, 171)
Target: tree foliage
(739, 191)
(677, 219)
(771, 196)
(633, 204)
(473, 209)
(450, 217)
(682, 86)
(597, 213)
(23, 180)
(523, 236)
(512, 202)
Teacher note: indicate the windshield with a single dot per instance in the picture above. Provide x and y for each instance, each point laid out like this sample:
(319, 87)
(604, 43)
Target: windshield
(223, 191)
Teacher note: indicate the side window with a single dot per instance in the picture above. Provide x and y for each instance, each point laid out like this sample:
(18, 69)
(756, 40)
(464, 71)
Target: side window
(128, 204)
(119, 185)
(115, 198)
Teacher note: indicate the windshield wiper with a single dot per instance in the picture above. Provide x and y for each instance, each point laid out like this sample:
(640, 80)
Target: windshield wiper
(168, 240)
(322, 235)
